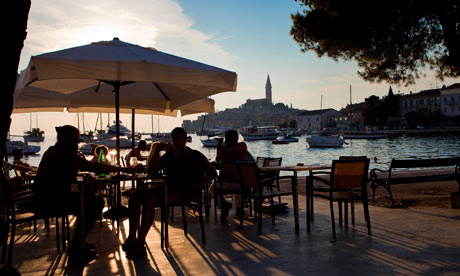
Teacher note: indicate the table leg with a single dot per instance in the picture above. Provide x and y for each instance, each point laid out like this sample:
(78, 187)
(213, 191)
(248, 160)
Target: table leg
(118, 204)
(166, 215)
(295, 190)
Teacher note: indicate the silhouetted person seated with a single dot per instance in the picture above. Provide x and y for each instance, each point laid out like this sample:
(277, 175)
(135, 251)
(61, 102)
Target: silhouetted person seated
(96, 149)
(136, 152)
(229, 152)
(185, 169)
(57, 170)
(18, 154)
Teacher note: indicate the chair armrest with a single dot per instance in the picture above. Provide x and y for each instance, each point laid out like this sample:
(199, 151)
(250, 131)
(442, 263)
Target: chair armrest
(320, 179)
(271, 179)
(321, 172)
(373, 174)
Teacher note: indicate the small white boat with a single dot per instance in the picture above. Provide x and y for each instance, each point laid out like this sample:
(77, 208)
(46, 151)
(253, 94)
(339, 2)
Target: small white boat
(324, 141)
(253, 133)
(211, 142)
(288, 138)
(27, 149)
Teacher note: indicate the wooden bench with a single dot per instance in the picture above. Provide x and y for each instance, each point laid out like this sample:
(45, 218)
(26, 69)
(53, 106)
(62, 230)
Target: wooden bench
(386, 178)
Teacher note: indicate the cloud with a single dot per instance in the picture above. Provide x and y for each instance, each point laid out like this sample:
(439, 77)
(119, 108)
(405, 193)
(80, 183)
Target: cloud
(162, 24)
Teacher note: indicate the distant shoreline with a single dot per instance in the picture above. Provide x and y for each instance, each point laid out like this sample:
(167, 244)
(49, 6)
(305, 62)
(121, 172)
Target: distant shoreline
(399, 132)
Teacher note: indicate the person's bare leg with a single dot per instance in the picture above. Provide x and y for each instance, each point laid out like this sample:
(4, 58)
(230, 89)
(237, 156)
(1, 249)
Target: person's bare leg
(134, 207)
(148, 216)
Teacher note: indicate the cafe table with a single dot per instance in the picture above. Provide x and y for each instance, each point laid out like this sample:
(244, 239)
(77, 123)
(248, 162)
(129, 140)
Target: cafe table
(294, 169)
(86, 180)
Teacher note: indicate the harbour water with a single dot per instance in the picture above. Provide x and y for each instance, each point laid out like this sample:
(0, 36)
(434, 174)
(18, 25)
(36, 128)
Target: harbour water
(383, 149)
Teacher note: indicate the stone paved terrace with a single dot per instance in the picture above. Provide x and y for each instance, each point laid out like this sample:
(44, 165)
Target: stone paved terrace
(404, 241)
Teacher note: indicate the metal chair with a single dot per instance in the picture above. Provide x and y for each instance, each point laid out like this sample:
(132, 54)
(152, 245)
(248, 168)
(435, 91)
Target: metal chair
(347, 182)
(253, 188)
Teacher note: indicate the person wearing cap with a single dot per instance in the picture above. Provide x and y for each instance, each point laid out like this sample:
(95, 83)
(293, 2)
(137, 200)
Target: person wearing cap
(57, 170)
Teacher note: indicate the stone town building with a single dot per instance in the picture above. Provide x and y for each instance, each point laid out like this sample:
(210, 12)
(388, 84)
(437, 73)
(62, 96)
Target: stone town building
(261, 112)
(424, 101)
(352, 117)
(450, 100)
(316, 120)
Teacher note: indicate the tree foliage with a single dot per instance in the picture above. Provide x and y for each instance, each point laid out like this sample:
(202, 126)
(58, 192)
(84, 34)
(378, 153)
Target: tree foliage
(391, 40)
(378, 111)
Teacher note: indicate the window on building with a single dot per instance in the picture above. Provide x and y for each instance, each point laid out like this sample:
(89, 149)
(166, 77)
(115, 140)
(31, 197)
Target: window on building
(445, 100)
(452, 109)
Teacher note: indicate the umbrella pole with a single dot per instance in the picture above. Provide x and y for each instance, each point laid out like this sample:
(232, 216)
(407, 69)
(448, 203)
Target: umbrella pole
(132, 129)
(117, 118)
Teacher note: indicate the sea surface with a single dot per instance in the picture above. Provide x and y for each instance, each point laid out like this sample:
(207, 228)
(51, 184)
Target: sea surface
(380, 151)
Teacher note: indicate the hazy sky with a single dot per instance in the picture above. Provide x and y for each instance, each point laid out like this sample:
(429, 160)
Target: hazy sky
(248, 37)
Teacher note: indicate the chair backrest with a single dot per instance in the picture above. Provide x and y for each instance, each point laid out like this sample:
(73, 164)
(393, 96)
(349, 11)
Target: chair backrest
(20, 170)
(260, 161)
(349, 174)
(273, 161)
(358, 157)
(247, 171)
(228, 172)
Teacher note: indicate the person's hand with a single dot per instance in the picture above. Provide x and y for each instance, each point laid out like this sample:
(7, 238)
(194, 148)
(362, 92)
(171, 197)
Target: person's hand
(219, 141)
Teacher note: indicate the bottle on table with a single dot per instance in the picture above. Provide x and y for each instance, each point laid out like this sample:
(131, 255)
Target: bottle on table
(102, 159)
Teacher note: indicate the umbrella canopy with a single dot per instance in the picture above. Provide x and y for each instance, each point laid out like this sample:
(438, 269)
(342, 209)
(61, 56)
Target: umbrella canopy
(116, 64)
(32, 99)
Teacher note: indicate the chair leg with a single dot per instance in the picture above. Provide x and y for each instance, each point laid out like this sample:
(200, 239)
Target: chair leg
(64, 233)
(279, 189)
(273, 210)
(352, 206)
(259, 223)
(68, 228)
(184, 219)
(5, 240)
(366, 214)
(9, 260)
(203, 233)
(242, 211)
(339, 203)
(332, 218)
(58, 244)
(345, 203)
(162, 217)
(171, 217)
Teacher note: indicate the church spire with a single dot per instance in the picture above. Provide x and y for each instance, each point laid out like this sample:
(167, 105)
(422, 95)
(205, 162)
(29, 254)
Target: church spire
(268, 89)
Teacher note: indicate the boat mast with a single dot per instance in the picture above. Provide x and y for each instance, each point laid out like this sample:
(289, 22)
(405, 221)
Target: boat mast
(350, 114)
(321, 104)
(78, 121)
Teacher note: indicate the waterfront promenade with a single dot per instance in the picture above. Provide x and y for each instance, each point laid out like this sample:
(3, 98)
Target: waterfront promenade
(419, 239)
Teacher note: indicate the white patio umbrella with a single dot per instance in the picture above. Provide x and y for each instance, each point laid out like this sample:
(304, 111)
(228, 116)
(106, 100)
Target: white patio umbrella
(120, 66)
(32, 99)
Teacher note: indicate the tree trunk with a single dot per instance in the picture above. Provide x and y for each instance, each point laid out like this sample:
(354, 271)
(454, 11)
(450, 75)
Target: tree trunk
(16, 34)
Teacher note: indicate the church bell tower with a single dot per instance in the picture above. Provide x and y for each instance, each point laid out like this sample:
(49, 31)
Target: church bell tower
(268, 90)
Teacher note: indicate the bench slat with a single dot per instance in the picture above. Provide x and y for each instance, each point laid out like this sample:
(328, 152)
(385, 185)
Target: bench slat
(423, 163)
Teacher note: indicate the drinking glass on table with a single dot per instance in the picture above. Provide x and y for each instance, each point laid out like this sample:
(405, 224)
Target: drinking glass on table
(133, 162)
